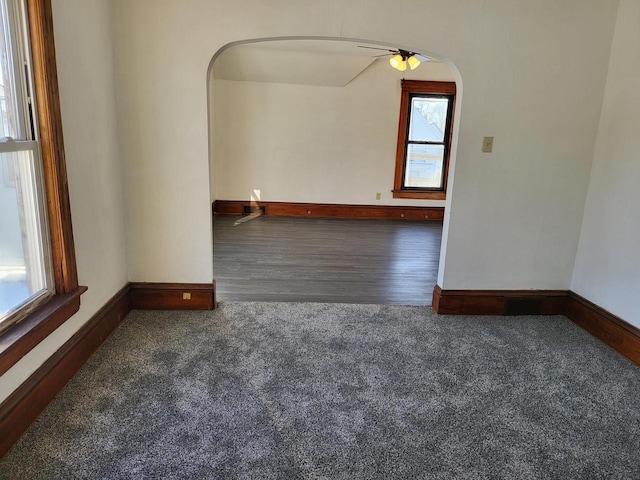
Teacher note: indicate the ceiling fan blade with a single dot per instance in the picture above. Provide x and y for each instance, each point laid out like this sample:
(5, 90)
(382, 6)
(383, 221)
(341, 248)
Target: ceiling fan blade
(376, 48)
(422, 58)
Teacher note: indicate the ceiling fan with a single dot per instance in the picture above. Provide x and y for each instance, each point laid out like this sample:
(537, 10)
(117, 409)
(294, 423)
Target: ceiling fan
(400, 58)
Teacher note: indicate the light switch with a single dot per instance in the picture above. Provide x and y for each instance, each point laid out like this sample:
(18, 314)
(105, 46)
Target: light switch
(487, 144)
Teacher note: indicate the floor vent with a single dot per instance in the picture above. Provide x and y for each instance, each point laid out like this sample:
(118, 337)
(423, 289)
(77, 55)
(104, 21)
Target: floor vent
(523, 306)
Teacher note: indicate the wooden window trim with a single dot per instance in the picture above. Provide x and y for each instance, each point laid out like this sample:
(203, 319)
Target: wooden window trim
(425, 87)
(18, 339)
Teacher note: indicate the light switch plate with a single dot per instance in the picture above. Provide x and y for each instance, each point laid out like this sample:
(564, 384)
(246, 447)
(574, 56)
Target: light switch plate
(487, 144)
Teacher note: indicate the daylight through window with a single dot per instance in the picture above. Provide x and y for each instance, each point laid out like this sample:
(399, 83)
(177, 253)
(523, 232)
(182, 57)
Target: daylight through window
(424, 139)
(25, 267)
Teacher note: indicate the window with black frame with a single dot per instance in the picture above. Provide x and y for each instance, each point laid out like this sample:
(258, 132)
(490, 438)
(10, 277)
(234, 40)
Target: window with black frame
(424, 139)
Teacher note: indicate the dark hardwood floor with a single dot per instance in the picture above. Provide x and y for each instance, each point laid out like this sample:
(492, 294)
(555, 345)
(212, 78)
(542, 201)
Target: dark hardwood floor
(326, 260)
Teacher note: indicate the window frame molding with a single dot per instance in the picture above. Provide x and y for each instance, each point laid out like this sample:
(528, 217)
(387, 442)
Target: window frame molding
(410, 87)
(21, 337)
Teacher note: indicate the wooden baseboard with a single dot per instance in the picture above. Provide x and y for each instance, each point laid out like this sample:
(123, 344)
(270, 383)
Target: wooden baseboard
(328, 210)
(172, 296)
(499, 302)
(611, 329)
(29, 400)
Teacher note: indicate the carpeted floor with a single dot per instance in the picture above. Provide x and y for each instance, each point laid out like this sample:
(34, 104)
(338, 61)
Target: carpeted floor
(276, 390)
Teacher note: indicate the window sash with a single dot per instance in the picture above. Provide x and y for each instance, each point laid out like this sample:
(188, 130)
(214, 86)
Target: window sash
(445, 142)
(33, 228)
(418, 169)
(30, 194)
(17, 66)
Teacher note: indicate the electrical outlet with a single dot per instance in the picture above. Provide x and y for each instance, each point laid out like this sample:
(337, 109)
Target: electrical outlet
(487, 144)
(377, 195)
(186, 296)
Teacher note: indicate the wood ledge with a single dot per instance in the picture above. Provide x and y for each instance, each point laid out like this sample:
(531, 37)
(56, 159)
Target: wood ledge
(20, 338)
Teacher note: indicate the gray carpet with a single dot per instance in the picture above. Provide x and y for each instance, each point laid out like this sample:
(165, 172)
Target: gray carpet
(275, 390)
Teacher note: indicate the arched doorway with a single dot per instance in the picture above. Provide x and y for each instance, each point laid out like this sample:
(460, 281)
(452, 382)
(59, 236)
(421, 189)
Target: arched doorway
(311, 124)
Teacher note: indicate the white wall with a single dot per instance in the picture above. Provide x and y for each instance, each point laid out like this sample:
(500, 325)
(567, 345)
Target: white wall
(308, 143)
(533, 75)
(85, 70)
(607, 269)
(514, 218)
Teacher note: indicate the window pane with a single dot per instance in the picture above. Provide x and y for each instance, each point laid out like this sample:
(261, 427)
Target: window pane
(22, 260)
(9, 113)
(428, 119)
(424, 166)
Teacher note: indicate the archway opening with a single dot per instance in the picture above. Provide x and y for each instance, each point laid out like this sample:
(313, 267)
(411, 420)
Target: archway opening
(308, 127)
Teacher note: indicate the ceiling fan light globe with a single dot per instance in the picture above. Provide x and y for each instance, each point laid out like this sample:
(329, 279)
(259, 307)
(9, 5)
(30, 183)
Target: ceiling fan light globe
(398, 63)
(413, 63)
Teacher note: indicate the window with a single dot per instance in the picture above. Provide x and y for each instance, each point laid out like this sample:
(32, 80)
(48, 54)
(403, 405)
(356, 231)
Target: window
(38, 280)
(424, 139)
(25, 267)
